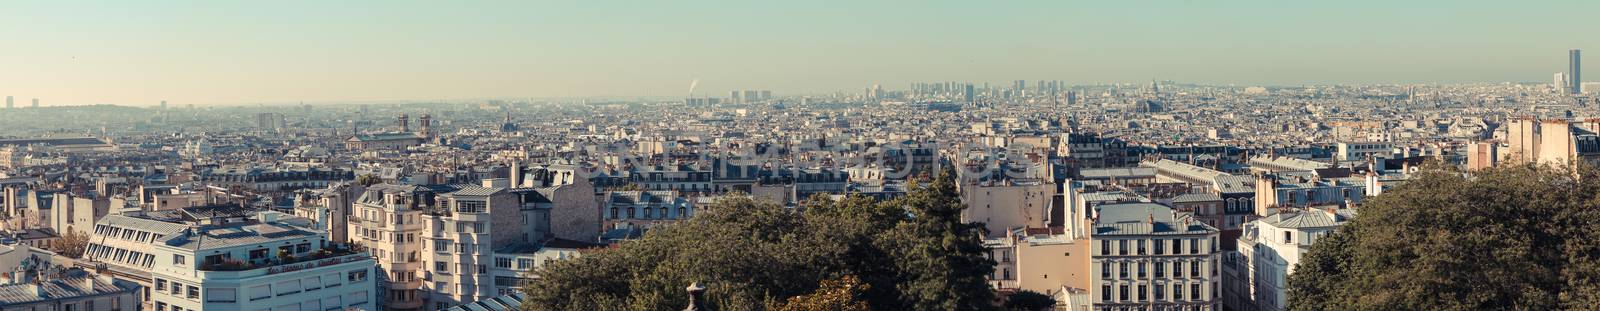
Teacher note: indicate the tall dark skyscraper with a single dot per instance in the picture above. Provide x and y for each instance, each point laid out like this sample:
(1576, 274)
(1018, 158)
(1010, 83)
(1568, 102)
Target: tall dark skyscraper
(1574, 79)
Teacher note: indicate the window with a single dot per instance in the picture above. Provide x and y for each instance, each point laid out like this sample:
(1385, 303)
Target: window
(331, 280)
(1105, 270)
(1194, 246)
(260, 292)
(1122, 268)
(1177, 291)
(332, 303)
(1105, 247)
(302, 248)
(1141, 292)
(1105, 292)
(356, 298)
(1160, 270)
(1177, 269)
(469, 206)
(311, 283)
(482, 269)
(221, 295)
(524, 263)
(1123, 293)
(441, 246)
(178, 260)
(194, 292)
(1122, 247)
(161, 285)
(1194, 268)
(287, 287)
(1194, 291)
(1141, 269)
(1140, 246)
(258, 254)
(441, 267)
(357, 276)
(1160, 291)
(1159, 246)
(1288, 237)
(1177, 246)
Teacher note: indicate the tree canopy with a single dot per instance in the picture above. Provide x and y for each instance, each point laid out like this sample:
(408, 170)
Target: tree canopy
(911, 253)
(1027, 300)
(1512, 238)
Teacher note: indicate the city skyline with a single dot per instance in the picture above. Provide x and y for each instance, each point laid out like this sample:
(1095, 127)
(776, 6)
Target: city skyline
(230, 54)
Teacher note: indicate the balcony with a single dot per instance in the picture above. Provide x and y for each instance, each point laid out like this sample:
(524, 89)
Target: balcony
(232, 268)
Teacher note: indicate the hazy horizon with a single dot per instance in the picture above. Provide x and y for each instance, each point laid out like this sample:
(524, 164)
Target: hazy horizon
(243, 53)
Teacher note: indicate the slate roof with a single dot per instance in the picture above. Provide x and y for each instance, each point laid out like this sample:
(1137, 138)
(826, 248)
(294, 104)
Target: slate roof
(508, 302)
(246, 234)
(1309, 219)
(1146, 219)
(63, 288)
(1196, 197)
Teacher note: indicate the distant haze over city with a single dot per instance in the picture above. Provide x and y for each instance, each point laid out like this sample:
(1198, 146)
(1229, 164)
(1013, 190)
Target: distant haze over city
(140, 53)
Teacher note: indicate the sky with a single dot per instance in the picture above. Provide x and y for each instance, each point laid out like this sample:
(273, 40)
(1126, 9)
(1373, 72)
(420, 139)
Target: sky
(244, 52)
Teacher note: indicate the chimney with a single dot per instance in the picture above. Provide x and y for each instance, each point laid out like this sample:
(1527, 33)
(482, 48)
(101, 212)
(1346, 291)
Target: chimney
(696, 291)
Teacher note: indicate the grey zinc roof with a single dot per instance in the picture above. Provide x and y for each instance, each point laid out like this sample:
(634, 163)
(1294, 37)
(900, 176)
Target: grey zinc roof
(69, 287)
(507, 302)
(230, 236)
(1196, 197)
(1104, 196)
(1309, 219)
(142, 224)
(1146, 219)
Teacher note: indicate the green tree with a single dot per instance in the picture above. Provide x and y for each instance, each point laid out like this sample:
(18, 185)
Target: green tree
(840, 294)
(1027, 300)
(1515, 238)
(368, 179)
(909, 254)
(72, 244)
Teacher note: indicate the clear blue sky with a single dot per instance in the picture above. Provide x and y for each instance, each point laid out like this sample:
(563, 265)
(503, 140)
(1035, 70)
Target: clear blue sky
(201, 52)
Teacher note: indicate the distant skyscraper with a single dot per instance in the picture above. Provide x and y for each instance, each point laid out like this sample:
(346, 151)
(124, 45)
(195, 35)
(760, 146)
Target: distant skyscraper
(967, 94)
(35, 103)
(9, 103)
(163, 105)
(1575, 76)
(1560, 83)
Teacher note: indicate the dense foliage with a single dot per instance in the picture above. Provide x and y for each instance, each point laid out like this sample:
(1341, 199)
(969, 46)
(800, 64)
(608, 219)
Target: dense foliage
(1027, 300)
(911, 253)
(1512, 238)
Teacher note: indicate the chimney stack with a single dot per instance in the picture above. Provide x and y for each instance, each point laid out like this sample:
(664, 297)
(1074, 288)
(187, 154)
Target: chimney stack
(696, 291)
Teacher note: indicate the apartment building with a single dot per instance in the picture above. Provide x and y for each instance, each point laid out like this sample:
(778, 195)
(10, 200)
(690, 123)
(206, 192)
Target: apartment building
(443, 245)
(226, 257)
(1149, 256)
(643, 209)
(1270, 248)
